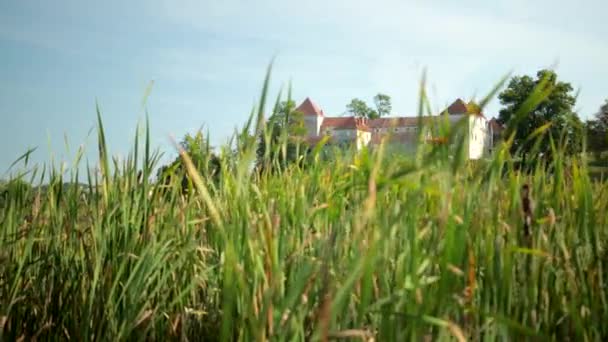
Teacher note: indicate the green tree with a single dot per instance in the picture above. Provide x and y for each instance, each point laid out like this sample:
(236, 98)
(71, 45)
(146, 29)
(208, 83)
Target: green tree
(199, 150)
(359, 108)
(383, 104)
(602, 116)
(597, 130)
(207, 163)
(281, 138)
(531, 103)
(16, 189)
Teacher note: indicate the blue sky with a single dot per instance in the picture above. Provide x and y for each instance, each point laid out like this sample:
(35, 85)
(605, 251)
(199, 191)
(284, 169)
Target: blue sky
(208, 58)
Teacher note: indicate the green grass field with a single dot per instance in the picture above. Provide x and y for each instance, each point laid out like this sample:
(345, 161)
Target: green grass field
(358, 247)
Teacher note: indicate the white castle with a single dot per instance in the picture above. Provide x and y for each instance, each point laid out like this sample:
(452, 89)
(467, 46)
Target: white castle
(399, 131)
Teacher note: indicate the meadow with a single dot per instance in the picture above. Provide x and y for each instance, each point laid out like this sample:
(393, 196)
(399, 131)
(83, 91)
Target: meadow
(359, 246)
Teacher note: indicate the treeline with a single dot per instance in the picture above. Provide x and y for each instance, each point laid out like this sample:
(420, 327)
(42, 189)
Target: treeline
(537, 113)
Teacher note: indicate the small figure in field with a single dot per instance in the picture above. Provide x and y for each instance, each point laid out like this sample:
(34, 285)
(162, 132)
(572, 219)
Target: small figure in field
(527, 209)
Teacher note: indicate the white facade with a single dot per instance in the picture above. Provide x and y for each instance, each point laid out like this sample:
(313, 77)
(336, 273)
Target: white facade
(479, 137)
(363, 139)
(348, 129)
(313, 125)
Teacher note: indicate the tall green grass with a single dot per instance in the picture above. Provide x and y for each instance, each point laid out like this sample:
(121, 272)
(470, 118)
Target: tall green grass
(360, 245)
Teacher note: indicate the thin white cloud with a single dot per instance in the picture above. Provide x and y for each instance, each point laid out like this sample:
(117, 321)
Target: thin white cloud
(340, 49)
(383, 39)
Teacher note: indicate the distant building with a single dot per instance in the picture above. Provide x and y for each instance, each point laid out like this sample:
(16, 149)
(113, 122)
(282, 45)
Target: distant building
(496, 129)
(401, 132)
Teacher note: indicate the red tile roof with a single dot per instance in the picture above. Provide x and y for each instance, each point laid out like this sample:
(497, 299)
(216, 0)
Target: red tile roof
(309, 108)
(458, 107)
(347, 122)
(402, 121)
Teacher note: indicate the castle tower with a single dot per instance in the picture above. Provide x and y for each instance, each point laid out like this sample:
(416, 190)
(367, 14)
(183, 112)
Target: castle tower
(313, 117)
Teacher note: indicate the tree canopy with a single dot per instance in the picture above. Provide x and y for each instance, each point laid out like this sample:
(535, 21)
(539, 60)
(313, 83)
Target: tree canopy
(280, 139)
(541, 104)
(359, 108)
(383, 104)
(16, 188)
(597, 130)
(207, 163)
